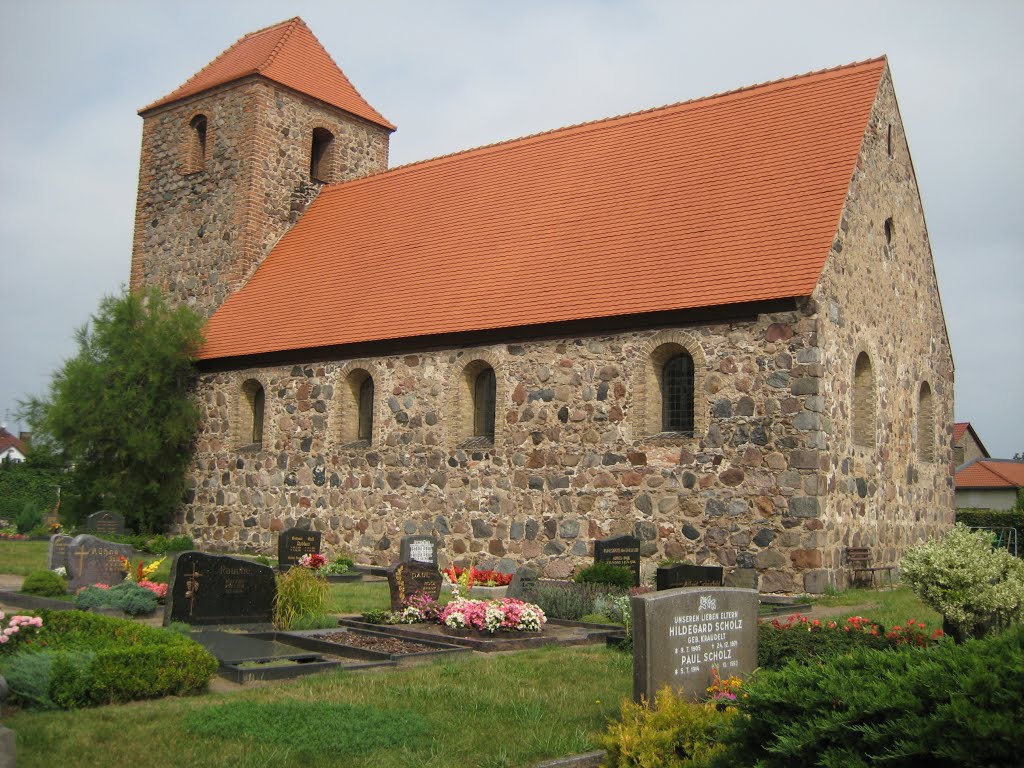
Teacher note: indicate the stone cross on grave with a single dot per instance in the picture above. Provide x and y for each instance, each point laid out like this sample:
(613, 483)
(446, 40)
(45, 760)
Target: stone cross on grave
(191, 587)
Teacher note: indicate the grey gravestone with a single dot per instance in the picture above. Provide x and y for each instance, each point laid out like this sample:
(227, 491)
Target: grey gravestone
(95, 561)
(686, 575)
(57, 557)
(219, 589)
(680, 635)
(523, 584)
(621, 551)
(420, 548)
(410, 577)
(293, 543)
(105, 522)
(742, 577)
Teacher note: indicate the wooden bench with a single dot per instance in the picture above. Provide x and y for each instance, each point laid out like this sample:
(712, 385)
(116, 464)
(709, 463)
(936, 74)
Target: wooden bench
(859, 559)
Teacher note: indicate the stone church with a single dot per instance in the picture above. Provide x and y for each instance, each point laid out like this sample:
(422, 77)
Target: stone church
(714, 325)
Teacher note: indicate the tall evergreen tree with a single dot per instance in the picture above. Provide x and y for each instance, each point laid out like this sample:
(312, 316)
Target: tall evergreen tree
(119, 414)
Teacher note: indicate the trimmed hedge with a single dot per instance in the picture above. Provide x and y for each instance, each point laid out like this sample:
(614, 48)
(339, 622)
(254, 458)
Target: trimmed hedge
(21, 484)
(948, 705)
(44, 584)
(80, 659)
(992, 518)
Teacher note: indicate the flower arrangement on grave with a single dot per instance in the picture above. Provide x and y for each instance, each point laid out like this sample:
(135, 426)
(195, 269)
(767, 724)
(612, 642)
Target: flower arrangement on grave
(340, 564)
(420, 609)
(467, 577)
(314, 561)
(723, 691)
(140, 573)
(505, 615)
(19, 629)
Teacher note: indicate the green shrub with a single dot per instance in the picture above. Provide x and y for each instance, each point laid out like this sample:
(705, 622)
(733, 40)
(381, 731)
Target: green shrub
(127, 596)
(91, 659)
(263, 560)
(380, 616)
(29, 516)
(157, 544)
(300, 593)
(974, 586)
(948, 705)
(570, 601)
(993, 518)
(45, 584)
(780, 642)
(674, 734)
(605, 573)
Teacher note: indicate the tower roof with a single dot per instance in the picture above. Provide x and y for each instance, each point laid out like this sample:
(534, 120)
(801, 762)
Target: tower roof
(287, 53)
(729, 199)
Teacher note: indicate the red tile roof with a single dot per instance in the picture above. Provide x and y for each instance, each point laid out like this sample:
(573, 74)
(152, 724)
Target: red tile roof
(287, 53)
(7, 440)
(958, 430)
(733, 198)
(988, 473)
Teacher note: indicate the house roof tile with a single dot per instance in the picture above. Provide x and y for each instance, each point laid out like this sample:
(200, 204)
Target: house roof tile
(729, 199)
(991, 473)
(287, 53)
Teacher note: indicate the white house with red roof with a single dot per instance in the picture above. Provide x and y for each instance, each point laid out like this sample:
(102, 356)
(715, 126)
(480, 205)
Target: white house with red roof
(12, 448)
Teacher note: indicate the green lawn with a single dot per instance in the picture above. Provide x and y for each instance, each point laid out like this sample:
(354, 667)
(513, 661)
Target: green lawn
(22, 557)
(883, 606)
(476, 711)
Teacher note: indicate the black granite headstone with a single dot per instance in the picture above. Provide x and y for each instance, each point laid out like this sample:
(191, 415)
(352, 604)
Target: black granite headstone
(523, 584)
(105, 522)
(420, 548)
(57, 557)
(411, 577)
(94, 561)
(293, 543)
(621, 551)
(686, 575)
(219, 589)
(681, 635)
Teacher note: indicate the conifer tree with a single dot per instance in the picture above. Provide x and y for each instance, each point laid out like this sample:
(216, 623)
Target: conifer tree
(119, 415)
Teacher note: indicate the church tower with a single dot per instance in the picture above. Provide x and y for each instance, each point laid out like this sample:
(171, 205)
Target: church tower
(232, 158)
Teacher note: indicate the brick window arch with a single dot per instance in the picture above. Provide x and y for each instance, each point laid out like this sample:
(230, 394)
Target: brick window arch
(863, 402)
(198, 142)
(668, 378)
(251, 412)
(320, 155)
(925, 424)
(479, 389)
(357, 407)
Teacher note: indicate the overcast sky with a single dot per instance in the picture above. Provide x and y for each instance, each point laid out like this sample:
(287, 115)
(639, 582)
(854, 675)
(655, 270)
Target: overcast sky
(453, 75)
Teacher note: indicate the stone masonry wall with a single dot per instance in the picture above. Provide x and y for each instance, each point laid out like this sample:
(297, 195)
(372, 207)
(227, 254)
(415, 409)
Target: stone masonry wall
(201, 230)
(880, 296)
(571, 460)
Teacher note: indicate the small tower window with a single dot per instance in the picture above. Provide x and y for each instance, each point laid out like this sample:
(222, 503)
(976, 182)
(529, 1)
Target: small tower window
(254, 404)
(888, 140)
(925, 424)
(889, 230)
(197, 143)
(863, 402)
(319, 155)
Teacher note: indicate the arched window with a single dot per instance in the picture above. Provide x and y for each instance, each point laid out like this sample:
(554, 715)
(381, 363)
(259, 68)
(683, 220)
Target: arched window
(254, 405)
(319, 165)
(366, 410)
(925, 424)
(863, 402)
(484, 401)
(197, 143)
(356, 408)
(677, 394)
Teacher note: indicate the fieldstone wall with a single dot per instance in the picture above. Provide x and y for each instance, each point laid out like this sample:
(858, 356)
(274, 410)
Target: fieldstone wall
(203, 225)
(878, 294)
(570, 462)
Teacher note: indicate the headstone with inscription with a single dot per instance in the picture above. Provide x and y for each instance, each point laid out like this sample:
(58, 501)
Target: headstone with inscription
(621, 551)
(91, 560)
(420, 548)
(219, 589)
(523, 584)
(681, 635)
(293, 543)
(105, 522)
(411, 577)
(57, 556)
(686, 575)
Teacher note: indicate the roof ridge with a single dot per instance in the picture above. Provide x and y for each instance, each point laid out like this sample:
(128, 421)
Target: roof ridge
(280, 43)
(602, 120)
